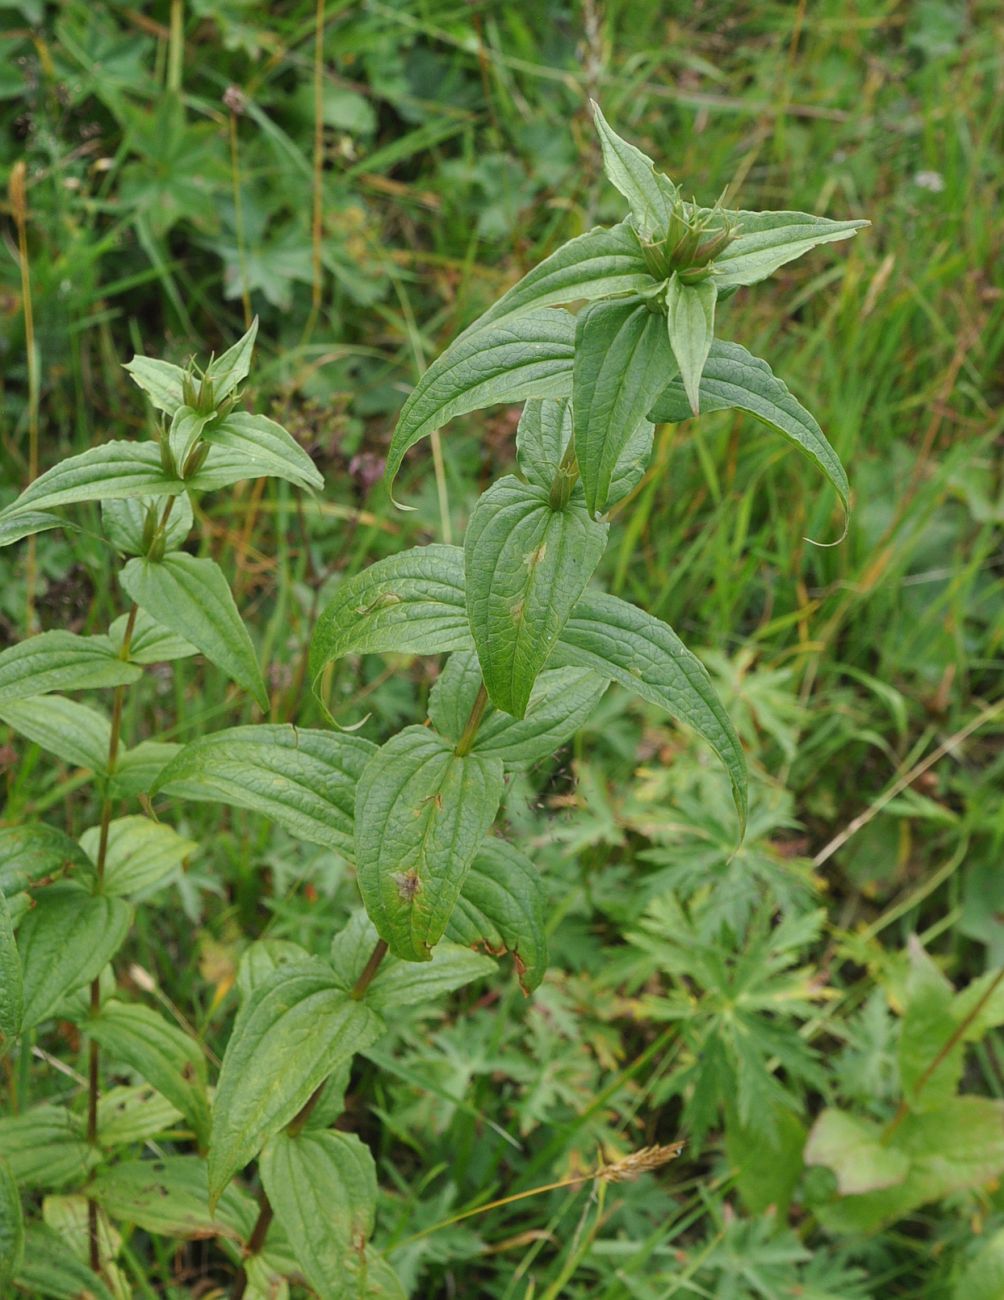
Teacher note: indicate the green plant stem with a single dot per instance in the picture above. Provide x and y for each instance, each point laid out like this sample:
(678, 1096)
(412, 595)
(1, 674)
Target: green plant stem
(473, 722)
(176, 46)
(93, 1056)
(19, 206)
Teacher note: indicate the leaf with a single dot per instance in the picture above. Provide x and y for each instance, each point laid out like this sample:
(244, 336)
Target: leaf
(267, 448)
(561, 701)
(162, 1054)
(45, 1147)
(29, 852)
(162, 382)
(169, 1196)
(929, 1076)
(185, 431)
(64, 943)
(526, 565)
(234, 365)
(303, 779)
(602, 263)
(137, 769)
(543, 433)
(50, 1268)
(629, 646)
(853, 1148)
(61, 661)
(983, 1277)
(421, 814)
(403, 983)
(622, 363)
(323, 1189)
(631, 464)
(123, 522)
(691, 322)
(261, 958)
(76, 733)
(294, 1030)
(11, 983)
(650, 194)
(115, 469)
(151, 643)
(26, 523)
(767, 240)
(502, 361)
(734, 377)
(192, 597)
(135, 1114)
(501, 907)
(11, 1226)
(409, 603)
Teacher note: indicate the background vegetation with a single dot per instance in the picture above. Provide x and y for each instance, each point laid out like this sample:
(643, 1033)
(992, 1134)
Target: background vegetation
(190, 164)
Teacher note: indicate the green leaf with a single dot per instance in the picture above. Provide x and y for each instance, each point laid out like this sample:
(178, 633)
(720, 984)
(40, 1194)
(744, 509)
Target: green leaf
(526, 565)
(622, 363)
(261, 958)
(26, 523)
(269, 451)
(650, 194)
(602, 263)
(631, 464)
(734, 378)
(76, 733)
(30, 852)
(137, 769)
(45, 1147)
(192, 597)
(61, 661)
(629, 646)
(499, 362)
(543, 433)
(169, 1196)
(767, 240)
(11, 983)
(322, 1187)
(294, 1030)
(561, 701)
(139, 853)
(502, 908)
(11, 1226)
(64, 942)
(234, 365)
(409, 603)
(162, 1054)
(123, 522)
(929, 1076)
(162, 382)
(151, 643)
(691, 322)
(983, 1277)
(185, 431)
(421, 814)
(303, 779)
(115, 469)
(853, 1148)
(50, 1268)
(403, 983)
(134, 1115)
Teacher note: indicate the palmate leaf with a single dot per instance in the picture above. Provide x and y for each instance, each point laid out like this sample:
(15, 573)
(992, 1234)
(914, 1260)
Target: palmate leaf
(734, 378)
(526, 564)
(503, 361)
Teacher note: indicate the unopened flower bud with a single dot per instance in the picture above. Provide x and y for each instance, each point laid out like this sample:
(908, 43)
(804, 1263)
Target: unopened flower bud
(195, 459)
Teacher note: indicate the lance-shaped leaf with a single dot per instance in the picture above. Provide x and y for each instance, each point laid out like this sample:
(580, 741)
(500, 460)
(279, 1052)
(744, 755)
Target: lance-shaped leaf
(602, 263)
(526, 565)
(192, 597)
(151, 643)
(632, 463)
(502, 908)
(139, 853)
(170, 1197)
(159, 1052)
(691, 321)
(301, 778)
(76, 733)
(163, 382)
(15, 527)
(409, 603)
(269, 451)
(64, 942)
(322, 1187)
(11, 982)
(643, 654)
(185, 431)
(51, 1268)
(650, 194)
(11, 1226)
(503, 361)
(543, 433)
(734, 377)
(562, 701)
(61, 661)
(45, 1147)
(123, 521)
(115, 469)
(232, 367)
(295, 1029)
(767, 240)
(422, 811)
(136, 1113)
(622, 362)
(29, 852)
